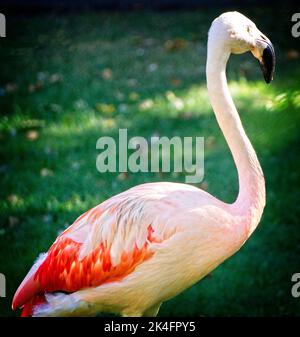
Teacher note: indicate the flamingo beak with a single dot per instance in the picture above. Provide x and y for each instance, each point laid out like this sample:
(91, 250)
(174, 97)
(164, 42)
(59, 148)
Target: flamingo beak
(267, 62)
(265, 54)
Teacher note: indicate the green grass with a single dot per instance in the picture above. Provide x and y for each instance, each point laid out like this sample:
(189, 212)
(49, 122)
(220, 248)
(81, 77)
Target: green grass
(61, 98)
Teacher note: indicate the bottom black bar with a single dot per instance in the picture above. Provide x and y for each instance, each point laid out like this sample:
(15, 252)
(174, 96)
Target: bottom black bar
(116, 326)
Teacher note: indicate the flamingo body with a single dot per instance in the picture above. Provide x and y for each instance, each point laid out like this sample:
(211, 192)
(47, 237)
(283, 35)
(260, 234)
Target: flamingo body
(143, 236)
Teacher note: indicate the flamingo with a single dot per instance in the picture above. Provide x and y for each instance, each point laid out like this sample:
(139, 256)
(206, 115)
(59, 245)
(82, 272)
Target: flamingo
(144, 246)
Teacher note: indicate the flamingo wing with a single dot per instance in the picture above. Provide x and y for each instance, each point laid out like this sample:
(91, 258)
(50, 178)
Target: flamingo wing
(103, 245)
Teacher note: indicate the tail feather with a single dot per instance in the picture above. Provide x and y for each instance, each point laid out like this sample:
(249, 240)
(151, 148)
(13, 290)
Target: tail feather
(28, 307)
(29, 288)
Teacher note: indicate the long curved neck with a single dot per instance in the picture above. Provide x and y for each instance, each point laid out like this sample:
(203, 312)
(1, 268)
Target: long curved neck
(251, 198)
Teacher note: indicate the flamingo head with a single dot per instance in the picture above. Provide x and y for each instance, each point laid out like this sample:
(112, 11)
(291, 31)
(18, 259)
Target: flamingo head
(240, 35)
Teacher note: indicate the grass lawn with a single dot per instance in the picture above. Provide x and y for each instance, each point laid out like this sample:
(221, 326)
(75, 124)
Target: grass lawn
(69, 79)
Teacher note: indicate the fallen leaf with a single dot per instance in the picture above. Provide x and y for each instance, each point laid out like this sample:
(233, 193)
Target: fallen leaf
(108, 123)
(122, 176)
(45, 172)
(39, 85)
(149, 42)
(107, 109)
(178, 103)
(131, 82)
(36, 86)
(13, 198)
(210, 142)
(176, 44)
(152, 67)
(55, 78)
(32, 135)
(175, 82)
(292, 54)
(31, 88)
(107, 74)
(11, 87)
(146, 104)
(187, 115)
(13, 220)
(170, 95)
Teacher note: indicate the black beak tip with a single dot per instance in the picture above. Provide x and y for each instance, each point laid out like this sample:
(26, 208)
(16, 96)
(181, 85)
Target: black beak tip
(267, 63)
(268, 80)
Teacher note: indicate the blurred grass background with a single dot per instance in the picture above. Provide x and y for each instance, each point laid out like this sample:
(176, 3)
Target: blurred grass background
(68, 79)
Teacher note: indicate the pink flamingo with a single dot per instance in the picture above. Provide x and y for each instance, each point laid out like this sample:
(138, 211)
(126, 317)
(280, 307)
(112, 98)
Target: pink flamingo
(144, 246)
